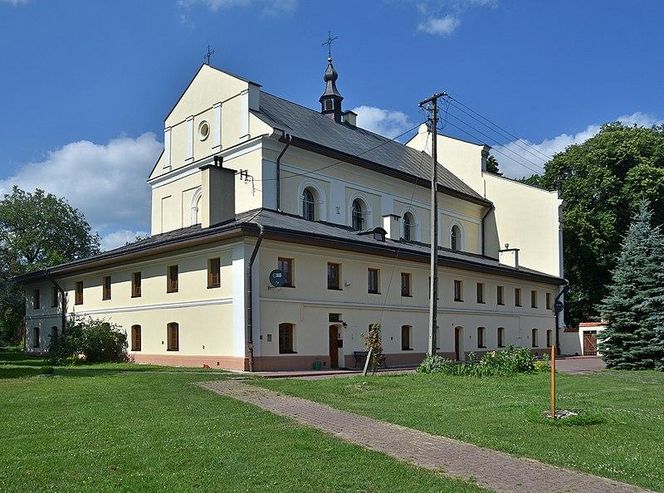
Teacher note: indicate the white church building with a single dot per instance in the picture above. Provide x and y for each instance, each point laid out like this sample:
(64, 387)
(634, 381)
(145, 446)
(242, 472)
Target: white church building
(250, 183)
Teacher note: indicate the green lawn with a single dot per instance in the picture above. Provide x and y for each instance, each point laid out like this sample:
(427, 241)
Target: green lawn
(504, 414)
(136, 428)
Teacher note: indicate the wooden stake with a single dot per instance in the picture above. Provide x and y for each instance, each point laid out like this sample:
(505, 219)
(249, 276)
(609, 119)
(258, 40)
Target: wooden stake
(553, 382)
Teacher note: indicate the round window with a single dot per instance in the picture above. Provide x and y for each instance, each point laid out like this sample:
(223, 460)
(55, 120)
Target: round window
(204, 130)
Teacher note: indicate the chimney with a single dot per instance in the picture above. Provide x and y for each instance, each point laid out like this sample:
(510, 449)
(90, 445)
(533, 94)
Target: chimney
(218, 195)
(509, 256)
(350, 117)
(391, 226)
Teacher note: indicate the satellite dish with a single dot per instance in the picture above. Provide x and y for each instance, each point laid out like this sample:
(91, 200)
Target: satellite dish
(277, 278)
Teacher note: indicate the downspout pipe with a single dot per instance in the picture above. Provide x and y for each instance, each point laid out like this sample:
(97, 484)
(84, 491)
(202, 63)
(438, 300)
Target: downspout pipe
(287, 139)
(250, 298)
(563, 292)
(484, 216)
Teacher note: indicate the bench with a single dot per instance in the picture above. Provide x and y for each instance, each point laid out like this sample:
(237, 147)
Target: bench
(360, 358)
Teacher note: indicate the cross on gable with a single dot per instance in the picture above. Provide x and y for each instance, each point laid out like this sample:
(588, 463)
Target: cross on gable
(208, 55)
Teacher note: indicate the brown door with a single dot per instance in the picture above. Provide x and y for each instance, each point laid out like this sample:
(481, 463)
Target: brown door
(334, 346)
(590, 343)
(457, 342)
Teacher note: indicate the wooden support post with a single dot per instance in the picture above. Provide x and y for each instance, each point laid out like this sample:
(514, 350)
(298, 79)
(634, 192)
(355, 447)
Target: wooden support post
(553, 382)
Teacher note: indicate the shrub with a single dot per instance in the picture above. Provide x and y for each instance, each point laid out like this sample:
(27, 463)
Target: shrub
(495, 363)
(92, 339)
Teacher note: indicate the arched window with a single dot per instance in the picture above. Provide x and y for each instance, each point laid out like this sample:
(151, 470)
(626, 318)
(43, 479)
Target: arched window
(35, 337)
(408, 226)
(173, 336)
(308, 204)
(455, 238)
(196, 207)
(359, 212)
(135, 337)
(501, 336)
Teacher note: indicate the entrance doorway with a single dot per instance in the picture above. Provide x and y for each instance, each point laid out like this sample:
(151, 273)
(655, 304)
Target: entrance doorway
(458, 344)
(334, 346)
(590, 343)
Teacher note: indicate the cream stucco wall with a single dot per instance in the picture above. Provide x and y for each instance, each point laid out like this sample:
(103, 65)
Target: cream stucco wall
(207, 317)
(309, 303)
(524, 217)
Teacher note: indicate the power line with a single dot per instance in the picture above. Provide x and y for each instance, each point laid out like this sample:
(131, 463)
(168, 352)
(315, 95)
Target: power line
(497, 127)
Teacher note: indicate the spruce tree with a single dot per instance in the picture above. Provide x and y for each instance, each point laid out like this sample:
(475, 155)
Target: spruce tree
(633, 308)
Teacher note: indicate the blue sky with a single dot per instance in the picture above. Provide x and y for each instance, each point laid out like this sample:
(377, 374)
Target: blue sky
(85, 85)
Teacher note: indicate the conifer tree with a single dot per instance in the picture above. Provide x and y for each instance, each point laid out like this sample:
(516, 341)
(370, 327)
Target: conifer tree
(633, 308)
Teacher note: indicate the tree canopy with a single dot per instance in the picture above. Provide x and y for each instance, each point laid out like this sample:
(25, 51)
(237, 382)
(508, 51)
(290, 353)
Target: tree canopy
(37, 230)
(602, 182)
(634, 305)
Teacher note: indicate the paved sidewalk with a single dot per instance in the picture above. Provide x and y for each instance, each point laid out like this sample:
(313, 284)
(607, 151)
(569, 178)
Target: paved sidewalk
(491, 469)
(580, 365)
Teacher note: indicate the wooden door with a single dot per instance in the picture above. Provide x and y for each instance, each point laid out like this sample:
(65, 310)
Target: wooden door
(590, 343)
(334, 346)
(458, 350)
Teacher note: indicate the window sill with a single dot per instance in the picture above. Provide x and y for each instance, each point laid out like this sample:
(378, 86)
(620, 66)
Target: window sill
(171, 292)
(407, 349)
(334, 289)
(373, 292)
(287, 352)
(173, 350)
(481, 347)
(214, 286)
(406, 295)
(458, 301)
(135, 295)
(481, 303)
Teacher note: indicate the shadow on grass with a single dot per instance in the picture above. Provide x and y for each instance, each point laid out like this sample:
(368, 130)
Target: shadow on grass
(16, 364)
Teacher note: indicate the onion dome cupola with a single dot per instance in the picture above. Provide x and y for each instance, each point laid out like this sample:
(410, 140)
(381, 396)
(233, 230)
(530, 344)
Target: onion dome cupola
(330, 101)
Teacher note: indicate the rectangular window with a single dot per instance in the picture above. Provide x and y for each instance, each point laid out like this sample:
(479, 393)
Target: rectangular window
(458, 290)
(406, 339)
(500, 295)
(136, 285)
(548, 301)
(36, 299)
(481, 332)
(286, 338)
(333, 276)
(334, 317)
(517, 296)
(173, 336)
(480, 292)
(172, 279)
(501, 337)
(374, 281)
(135, 337)
(405, 284)
(533, 337)
(106, 295)
(214, 273)
(533, 299)
(548, 338)
(285, 265)
(55, 297)
(35, 337)
(78, 297)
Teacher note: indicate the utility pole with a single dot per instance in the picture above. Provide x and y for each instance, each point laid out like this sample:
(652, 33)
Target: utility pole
(431, 104)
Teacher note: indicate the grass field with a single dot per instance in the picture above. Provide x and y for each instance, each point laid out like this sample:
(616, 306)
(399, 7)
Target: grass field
(137, 428)
(626, 442)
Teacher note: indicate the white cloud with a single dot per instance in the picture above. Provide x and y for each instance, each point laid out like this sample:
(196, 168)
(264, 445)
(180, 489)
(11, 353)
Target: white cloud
(107, 182)
(268, 6)
(443, 17)
(120, 238)
(384, 122)
(522, 158)
(442, 26)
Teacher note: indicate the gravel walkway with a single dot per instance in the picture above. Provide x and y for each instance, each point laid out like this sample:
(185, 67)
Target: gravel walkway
(491, 469)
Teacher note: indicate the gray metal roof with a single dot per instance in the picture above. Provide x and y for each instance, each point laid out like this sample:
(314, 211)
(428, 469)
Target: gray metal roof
(294, 228)
(312, 126)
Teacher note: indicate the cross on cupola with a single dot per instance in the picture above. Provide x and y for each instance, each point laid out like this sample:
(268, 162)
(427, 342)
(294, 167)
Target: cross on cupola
(330, 101)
